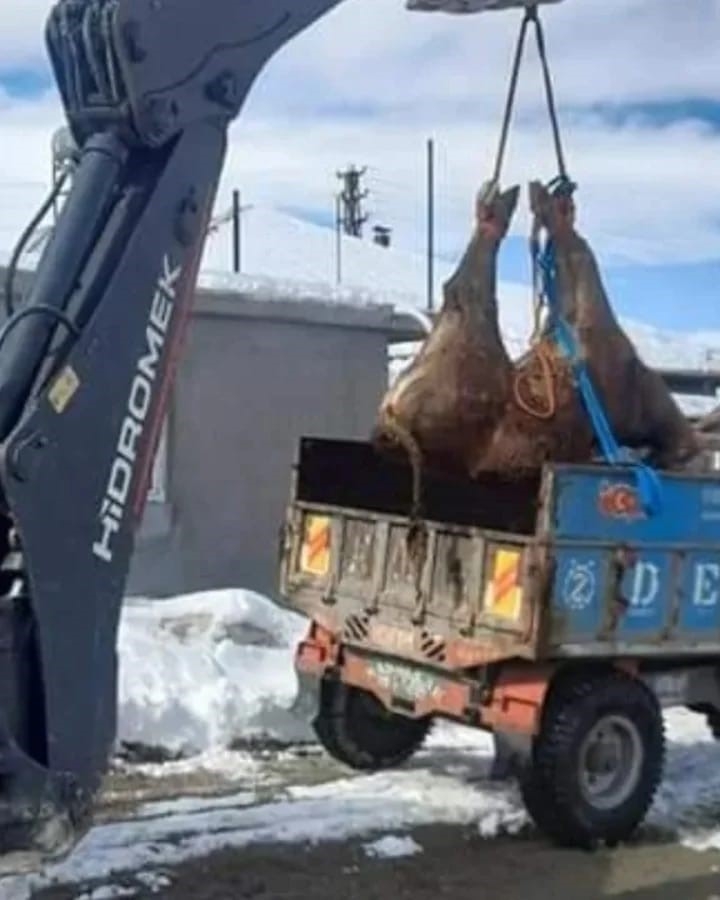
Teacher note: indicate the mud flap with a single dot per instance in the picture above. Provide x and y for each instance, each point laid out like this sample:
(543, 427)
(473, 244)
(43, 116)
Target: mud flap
(511, 755)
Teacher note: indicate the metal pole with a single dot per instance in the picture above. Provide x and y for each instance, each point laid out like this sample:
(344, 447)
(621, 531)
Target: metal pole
(430, 223)
(236, 231)
(338, 238)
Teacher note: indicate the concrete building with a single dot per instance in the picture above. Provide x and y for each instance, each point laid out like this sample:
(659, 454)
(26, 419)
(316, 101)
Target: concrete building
(258, 372)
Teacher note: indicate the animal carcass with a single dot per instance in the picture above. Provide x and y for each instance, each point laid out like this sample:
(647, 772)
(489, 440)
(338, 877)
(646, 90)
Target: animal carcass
(446, 403)
(464, 407)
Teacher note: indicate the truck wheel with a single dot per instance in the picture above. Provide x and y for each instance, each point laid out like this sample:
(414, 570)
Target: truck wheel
(357, 730)
(597, 762)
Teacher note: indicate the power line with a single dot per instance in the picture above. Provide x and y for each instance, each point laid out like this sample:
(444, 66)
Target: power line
(430, 223)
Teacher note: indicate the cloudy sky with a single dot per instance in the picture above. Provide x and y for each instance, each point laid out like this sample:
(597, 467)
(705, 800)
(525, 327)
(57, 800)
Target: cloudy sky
(637, 81)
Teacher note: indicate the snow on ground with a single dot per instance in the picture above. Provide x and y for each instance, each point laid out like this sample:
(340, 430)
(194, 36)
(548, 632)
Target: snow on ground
(429, 790)
(392, 846)
(158, 838)
(202, 671)
(107, 892)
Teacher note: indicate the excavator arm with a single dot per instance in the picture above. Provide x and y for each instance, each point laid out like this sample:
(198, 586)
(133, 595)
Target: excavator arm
(150, 88)
(86, 365)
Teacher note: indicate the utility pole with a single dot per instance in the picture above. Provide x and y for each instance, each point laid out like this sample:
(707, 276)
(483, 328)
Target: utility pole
(236, 212)
(430, 223)
(232, 214)
(236, 230)
(351, 198)
(338, 238)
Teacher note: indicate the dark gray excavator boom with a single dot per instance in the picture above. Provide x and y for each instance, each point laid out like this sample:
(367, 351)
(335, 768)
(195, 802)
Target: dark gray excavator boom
(86, 364)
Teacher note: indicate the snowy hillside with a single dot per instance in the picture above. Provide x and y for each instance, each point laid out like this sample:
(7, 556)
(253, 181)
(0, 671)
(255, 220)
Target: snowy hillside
(276, 244)
(279, 245)
(287, 255)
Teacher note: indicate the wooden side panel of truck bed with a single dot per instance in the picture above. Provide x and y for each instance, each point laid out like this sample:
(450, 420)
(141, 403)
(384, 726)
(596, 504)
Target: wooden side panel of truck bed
(469, 598)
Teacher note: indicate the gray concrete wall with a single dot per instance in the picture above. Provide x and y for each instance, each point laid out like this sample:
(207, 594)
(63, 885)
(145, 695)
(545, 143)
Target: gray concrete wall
(257, 374)
(255, 377)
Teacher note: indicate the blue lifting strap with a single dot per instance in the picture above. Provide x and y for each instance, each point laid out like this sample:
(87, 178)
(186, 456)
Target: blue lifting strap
(648, 480)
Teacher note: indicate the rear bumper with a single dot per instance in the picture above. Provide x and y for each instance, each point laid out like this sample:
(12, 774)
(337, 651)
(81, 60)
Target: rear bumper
(509, 700)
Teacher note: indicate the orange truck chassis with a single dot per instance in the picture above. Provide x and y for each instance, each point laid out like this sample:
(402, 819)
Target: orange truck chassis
(510, 703)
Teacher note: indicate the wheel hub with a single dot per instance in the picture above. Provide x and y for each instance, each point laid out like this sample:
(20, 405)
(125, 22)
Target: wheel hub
(610, 761)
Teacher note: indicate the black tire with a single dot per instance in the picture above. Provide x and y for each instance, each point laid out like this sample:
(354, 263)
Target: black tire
(562, 784)
(358, 731)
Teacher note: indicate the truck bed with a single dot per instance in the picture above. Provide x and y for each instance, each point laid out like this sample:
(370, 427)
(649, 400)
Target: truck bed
(563, 565)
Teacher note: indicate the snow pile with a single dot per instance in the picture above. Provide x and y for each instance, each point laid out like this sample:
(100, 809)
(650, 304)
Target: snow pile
(200, 672)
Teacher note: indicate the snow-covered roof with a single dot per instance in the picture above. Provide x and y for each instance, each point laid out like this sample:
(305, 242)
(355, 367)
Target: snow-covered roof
(301, 257)
(287, 258)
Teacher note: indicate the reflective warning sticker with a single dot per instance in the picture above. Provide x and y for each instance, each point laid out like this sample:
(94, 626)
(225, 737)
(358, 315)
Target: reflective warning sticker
(63, 389)
(315, 549)
(503, 591)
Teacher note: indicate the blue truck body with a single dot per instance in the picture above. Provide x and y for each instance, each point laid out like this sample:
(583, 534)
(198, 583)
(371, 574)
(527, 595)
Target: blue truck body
(643, 584)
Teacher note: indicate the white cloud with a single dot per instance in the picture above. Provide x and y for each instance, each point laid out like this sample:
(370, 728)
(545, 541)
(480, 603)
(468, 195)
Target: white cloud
(643, 191)
(25, 164)
(602, 50)
(647, 193)
(22, 32)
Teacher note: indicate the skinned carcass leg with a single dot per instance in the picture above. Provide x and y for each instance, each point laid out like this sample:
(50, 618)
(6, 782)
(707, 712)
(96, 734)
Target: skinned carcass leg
(445, 404)
(639, 406)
